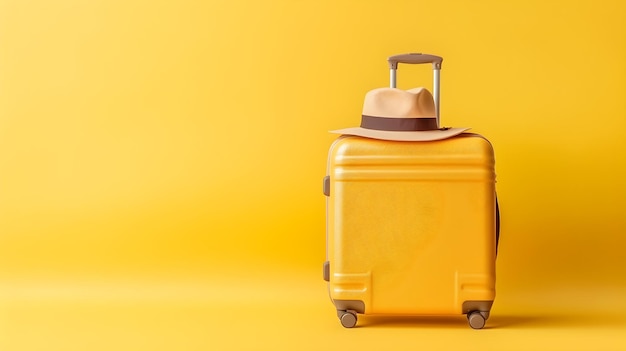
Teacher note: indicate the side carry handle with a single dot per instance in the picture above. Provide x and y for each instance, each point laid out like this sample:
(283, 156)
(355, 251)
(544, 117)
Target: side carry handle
(417, 58)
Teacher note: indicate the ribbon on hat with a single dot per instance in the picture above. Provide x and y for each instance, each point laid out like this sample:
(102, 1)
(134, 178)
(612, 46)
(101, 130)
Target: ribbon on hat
(399, 124)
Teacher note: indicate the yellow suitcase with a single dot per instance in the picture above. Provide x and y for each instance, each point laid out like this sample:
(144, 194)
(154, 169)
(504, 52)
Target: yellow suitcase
(411, 226)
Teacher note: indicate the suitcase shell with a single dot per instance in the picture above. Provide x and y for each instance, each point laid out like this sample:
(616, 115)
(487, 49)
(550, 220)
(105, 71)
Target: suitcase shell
(411, 227)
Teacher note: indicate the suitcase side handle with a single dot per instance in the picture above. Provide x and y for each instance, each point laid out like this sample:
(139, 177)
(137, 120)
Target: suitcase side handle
(417, 58)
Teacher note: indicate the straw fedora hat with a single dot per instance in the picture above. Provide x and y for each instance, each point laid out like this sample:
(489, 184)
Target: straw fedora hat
(400, 115)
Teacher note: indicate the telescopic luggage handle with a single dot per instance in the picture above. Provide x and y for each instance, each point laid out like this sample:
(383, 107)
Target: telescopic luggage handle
(416, 58)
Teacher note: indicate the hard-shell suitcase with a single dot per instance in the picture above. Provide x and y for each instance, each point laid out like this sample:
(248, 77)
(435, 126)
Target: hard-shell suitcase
(411, 225)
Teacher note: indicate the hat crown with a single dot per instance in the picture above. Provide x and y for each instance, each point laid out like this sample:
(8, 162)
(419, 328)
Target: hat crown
(397, 103)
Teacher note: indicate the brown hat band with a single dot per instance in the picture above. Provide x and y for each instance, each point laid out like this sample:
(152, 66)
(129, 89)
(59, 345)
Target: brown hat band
(398, 124)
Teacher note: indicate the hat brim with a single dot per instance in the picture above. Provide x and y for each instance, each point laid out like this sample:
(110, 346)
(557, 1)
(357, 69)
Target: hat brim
(426, 135)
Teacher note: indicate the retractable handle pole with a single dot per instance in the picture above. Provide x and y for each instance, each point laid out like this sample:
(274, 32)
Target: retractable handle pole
(416, 58)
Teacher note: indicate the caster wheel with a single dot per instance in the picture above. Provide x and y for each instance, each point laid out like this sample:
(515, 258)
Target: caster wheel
(348, 319)
(476, 320)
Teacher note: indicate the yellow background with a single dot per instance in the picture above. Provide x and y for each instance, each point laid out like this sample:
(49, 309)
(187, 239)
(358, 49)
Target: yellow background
(161, 166)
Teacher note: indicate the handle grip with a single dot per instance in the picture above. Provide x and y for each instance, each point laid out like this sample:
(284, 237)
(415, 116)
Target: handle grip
(414, 58)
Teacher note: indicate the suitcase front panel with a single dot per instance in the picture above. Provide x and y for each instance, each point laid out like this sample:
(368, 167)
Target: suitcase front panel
(411, 225)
